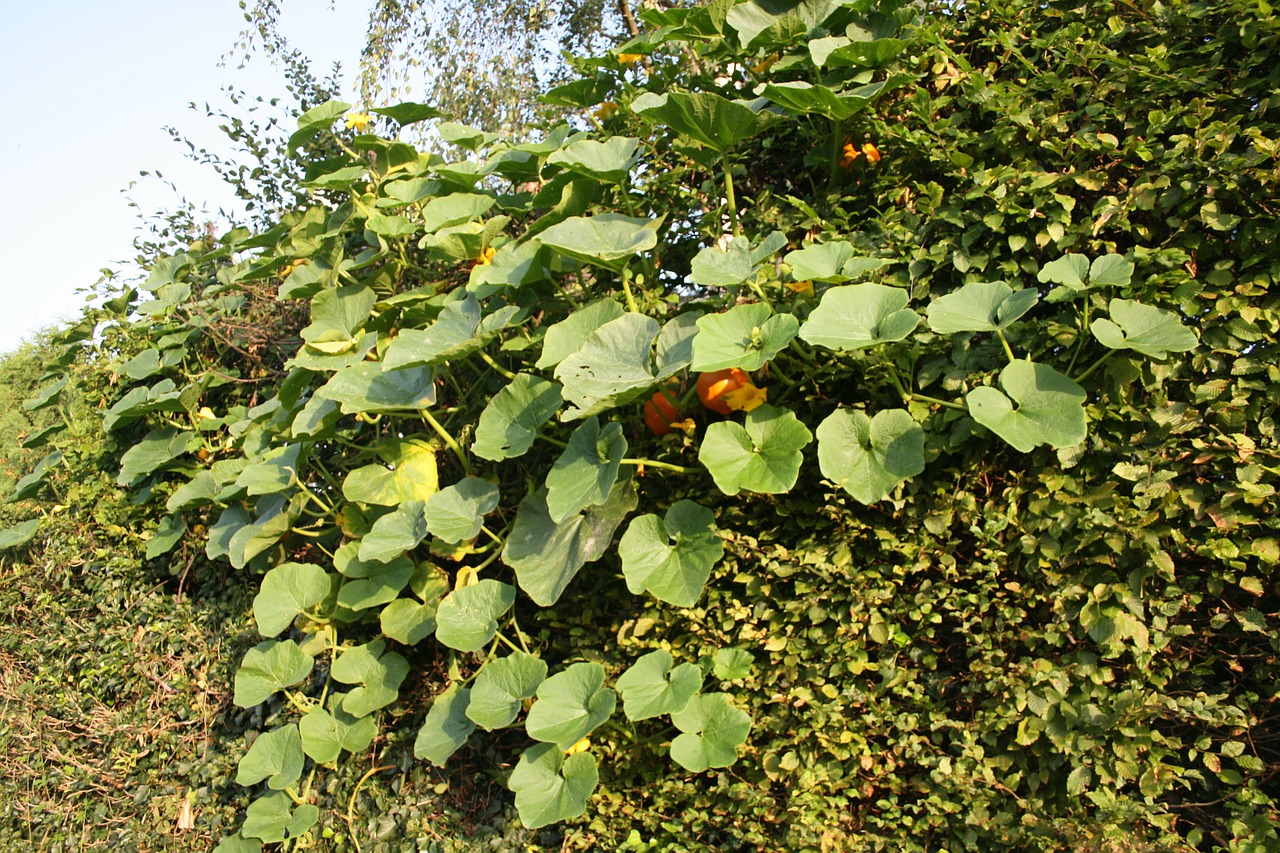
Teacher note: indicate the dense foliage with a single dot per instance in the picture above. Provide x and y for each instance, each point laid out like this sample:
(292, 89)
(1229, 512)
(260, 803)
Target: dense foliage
(973, 551)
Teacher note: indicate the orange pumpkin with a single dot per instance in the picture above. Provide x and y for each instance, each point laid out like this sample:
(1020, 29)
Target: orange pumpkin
(714, 385)
(660, 411)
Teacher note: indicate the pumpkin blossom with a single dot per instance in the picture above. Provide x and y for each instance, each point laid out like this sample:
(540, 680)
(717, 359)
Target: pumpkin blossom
(745, 397)
(486, 257)
(872, 152)
(358, 121)
(581, 746)
(764, 66)
(849, 155)
(804, 288)
(630, 58)
(605, 111)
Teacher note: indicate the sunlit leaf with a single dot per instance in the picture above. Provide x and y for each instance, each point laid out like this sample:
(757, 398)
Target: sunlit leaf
(650, 687)
(326, 733)
(1042, 407)
(671, 557)
(609, 240)
(858, 316)
(394, 533)
(745, 336)
(456, 513)
(980, 307)
(571, 704)
(271, 819)
(510, 422)
(704, 117)
(501, 688)
(585, 472)
(378, 672)
(366, 387)
(446, 727)
(550, 787)
(868, 457)
(287, 590)
(275, 756)
(268, 667)
(713, 729)
(762, 455)
(1154, 332)
(467, 618)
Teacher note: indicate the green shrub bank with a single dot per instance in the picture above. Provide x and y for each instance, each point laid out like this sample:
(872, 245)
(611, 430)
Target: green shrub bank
(850, 617)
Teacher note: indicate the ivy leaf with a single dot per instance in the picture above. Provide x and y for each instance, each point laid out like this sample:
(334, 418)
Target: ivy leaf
(585, 472)
(547, 555)
(379, 676)
(510, 422)
(612, 368)
(713, 729)
(761, 456)
(412, 475)
(731, 664)
(980, 307)
(287, 590)
(394, 533)
(550, 787)
(366, 387)
(270, 818)
(609, 161)
(674, 573)
(609, 240)
(275, 756)
(566, 337)
(1046, 407)
(456, 513)
(868, 457)
(502, 686)
(326, 733)
(858, 316)
(745, 336)
(268, 667)
(570, 705)
(1152, 331)
(650, 686)
(704, 117)
(467, 618)
(446, 728)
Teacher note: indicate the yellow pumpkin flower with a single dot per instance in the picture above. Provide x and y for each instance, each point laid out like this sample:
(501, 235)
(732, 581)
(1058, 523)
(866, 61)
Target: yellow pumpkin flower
(850, 154)
(765, 65)
(486, 257)
(872, 152)
(205, 414)
(358, 121)
(745, 397)
(581, 746)
(630, 58)
(605, 111)
(804, 288)
(688, 426)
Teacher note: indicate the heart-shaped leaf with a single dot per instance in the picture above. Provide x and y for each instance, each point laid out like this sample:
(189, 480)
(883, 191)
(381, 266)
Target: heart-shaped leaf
(287, 590)
(454, 209)
(832, 262)
(570, 705)
(19, 534)
(858, 316)
(315, 120)
(566, 337)
(868, 457)
(838, 105)
(547, 555)
(407, 621)
(585, 472)
(609, 240)
(271, 819)
(745, 336)
(650, 686)
(337, 314)
(395, 533)
(159, 449)
(510, 422)
(550, 787)
(446, 728)
(731, 664)
(704, 117)
(610, 160)
(412, 475)
(366, 387)
(980, 307)
(761, 456)
(381, 584)
(460, 329)
(456, 513)
(501, 688)
(268, 667)
(326, 733)
(275, 756)
(1152, 331)
(735, 264)
(671, 557)
(713, 729)
(1046, 407)
(467, 618)
(378, 672)
(612, 368)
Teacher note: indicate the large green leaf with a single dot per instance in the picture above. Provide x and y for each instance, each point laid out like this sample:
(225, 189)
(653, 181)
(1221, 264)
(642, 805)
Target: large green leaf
(571, 704)
(268, 667)
(275, 756)
(412, 475)
(158, 449)
(858, 316)
(378, 672)
(315, 120)
(704, 117)
(776, 23)
(613, 366)
(501, 688)
(275, 517)
(671, 557)
(326, 733)
(745, 336)
(271, 819)
(836, 104)
(454, 209)
(735, 264)
(609, 240)
(673, 351)
(1046, 407)
(650, 687)
(50, 394)
(566, 337)
(712, 731)
(456, 513)
(510, 422)
(276, 471)
(1152, 331)
(547, 555)
(336, 316)
(446, 727)
(381, 585)
(394, 533)
(585, 472)
(832, 262)
(366, 387)
(287, 590)
(980, 306)
(407, 621)
(844, 52)
(467, 618)
(550, 787)
(460, 330)
(761, 456)
(19, 534)
(868, 457)
(610, 160)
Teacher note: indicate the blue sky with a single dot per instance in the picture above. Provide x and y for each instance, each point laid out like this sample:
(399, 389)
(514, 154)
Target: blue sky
(92, 87)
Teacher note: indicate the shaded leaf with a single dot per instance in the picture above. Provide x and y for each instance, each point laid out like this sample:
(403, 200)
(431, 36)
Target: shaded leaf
(713, 730)
(446, 727)
(287, 590)
(467, 618)
(550, 787)
(671, 557)
(268, 667)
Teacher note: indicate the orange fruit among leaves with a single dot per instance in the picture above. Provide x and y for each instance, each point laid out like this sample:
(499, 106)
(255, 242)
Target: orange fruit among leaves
(712, 387)
(660, 411)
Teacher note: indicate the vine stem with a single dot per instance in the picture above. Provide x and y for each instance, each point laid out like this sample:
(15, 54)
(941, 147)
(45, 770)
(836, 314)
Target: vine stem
(1005, 343)
(626, 291)
(487, 359)
(730, 198)
(449, 441)
(936, 402)
(1089, 371)
(351, 803)
(665, 466)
